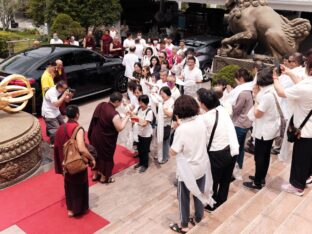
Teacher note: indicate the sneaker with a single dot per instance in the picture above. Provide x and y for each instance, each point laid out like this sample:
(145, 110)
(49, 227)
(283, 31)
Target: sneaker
(291, 189)
(142, 169)
(137, 166)
(309, 180)
(253, 179)
(252, 185)
(237, 173)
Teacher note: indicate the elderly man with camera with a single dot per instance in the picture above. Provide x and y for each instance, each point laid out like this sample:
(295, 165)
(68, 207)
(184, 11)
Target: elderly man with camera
(53, 99)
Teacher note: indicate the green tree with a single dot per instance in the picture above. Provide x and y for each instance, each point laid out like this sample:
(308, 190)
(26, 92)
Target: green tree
(7, 10)
(87, 13)
(65, 26)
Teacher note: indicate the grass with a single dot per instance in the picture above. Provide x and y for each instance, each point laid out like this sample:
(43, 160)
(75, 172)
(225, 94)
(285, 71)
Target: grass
(23, 40)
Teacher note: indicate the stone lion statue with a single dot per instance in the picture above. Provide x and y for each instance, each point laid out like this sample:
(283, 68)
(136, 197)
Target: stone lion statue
(253, 20)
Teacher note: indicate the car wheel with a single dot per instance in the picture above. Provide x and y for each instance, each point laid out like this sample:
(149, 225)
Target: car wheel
(121, 82)
(206, 71)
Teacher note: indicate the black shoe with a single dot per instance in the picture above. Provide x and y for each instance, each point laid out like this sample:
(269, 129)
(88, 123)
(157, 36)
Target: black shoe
(250, 149)
(275, 151)
(251, 185)
(142, 169)
(137, 166)
(253, 179)
(209, 208)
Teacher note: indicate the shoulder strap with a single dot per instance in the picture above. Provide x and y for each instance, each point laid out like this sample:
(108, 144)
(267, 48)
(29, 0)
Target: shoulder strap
(278, 107)
(213, 131)
(75, 132)
(305, 120)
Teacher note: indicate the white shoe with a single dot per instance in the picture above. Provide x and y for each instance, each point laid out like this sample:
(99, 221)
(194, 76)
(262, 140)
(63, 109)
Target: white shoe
(237, 173)
(309, 180)
(291, 189)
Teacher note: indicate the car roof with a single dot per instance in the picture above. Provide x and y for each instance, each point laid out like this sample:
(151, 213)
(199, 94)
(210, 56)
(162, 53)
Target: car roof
(203, 38)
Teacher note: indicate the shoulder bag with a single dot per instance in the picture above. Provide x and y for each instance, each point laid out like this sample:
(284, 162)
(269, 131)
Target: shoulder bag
(293, 133)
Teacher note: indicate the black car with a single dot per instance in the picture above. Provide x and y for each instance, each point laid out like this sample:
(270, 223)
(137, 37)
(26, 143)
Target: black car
(205, 47)
(88, 72)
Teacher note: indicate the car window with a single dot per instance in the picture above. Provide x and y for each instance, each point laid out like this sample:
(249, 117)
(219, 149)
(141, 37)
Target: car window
(18, 64)
(86, 57)
(68, 60)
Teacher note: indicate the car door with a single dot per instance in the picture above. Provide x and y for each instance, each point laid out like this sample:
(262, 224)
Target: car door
(94, 73)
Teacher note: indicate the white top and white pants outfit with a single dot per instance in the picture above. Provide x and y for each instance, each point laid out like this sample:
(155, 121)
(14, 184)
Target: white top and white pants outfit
(300, 96)
(191, 77)
(128, 61)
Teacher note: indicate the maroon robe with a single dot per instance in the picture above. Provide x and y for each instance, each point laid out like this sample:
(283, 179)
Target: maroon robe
(106, 40)
(90, 42)
(117, 45)
(103, 136)
(76, 186)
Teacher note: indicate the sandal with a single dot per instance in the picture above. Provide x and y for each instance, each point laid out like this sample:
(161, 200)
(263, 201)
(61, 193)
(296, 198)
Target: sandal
(175, 227)
(96, 178)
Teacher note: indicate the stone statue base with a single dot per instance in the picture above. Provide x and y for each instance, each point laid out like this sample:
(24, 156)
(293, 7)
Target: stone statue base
(20, 155)
(219, 62)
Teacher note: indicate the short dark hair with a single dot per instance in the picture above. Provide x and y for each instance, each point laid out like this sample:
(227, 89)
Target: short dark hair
(132, 85)
(132, 48)
(115, 97)
(218, 92)
(192, 58)
(129, 34)
(185, 107)
(138, 64)
(298, 58)
(223, 82)
(209, 98)
(157, 59)
(166, 90)
(242, 72)
(72, 111)
(163, 52)
(156, 74)
(144, 98)
(150, 49)
(189, 51)
(60, 84)
(265, 77)
(139, 87)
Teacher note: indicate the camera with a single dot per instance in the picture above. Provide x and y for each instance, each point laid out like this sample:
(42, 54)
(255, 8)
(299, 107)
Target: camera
(278, 68)
(70, 90)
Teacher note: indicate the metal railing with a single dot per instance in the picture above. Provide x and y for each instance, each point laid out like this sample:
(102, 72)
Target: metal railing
(16, 46)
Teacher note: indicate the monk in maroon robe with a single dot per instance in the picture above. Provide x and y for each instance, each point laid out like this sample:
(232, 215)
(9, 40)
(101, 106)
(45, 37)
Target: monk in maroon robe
(105, 42)
(76, 186)
(103, 133)
(116, 48)
(89, 41)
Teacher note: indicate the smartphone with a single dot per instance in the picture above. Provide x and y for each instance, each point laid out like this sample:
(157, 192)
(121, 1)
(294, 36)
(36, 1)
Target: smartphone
(278, 67)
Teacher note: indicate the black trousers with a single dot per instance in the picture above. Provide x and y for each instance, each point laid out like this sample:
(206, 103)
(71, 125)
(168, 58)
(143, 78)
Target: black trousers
(262, 159)
(301, 164)
(143, 150)
(222, 165)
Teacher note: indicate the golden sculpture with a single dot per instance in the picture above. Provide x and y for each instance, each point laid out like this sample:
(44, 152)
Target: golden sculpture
(14, 98)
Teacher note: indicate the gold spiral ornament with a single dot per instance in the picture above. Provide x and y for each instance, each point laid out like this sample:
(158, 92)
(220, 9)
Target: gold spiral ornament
(14, 98)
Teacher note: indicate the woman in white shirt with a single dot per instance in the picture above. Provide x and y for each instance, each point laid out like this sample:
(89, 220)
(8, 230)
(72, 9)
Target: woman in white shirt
(146, 61)
(145, 131)
(193, 167)
(300, 96)
(168, 103)
(222, 144)
(266, 126)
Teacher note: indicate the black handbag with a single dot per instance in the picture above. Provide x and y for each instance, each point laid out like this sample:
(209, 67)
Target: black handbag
(293, 133)
(213, 131)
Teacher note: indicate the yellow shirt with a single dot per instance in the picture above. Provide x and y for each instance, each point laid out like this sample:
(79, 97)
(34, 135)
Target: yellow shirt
(46, 81)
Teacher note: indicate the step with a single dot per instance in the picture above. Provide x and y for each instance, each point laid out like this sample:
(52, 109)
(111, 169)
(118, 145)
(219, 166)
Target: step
(275, 214)
(300, 220)
(235, 202)
(250, 209)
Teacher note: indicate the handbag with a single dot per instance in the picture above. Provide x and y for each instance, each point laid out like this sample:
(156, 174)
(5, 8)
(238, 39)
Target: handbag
(293, 133)
(282, 118)
(213, 131)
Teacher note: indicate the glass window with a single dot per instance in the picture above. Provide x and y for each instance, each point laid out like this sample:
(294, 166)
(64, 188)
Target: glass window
(18, 64)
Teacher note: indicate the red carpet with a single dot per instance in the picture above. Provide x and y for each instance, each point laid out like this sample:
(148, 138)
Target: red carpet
(37, 205)
(54, 220)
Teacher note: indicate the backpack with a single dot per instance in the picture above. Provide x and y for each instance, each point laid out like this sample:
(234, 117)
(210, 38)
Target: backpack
(73, 162)
(153, 123)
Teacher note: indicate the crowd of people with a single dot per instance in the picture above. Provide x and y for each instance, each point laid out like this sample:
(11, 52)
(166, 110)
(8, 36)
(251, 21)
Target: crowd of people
(165, 109)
